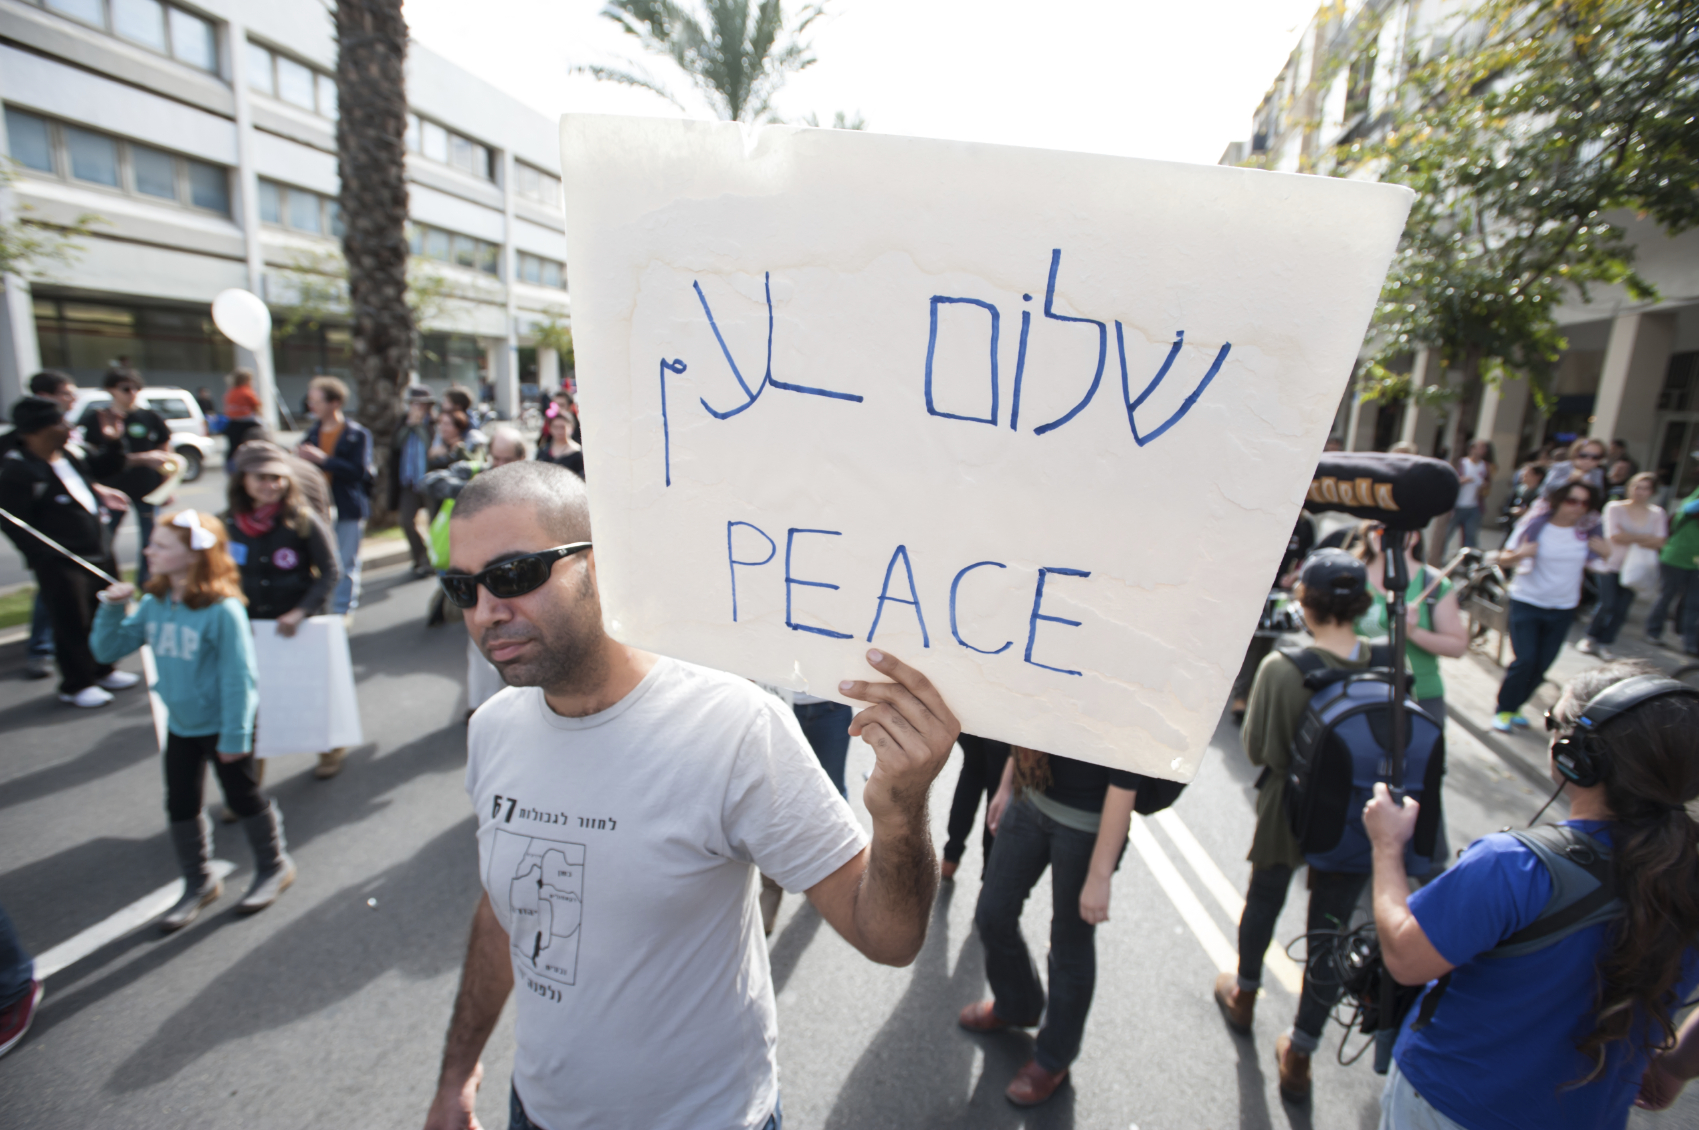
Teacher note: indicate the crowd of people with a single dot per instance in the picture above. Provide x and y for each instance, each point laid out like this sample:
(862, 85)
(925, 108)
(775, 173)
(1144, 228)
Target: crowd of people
(724, 795)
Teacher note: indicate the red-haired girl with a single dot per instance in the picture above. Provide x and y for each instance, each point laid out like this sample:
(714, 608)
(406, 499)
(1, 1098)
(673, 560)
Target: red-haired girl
(192, 614)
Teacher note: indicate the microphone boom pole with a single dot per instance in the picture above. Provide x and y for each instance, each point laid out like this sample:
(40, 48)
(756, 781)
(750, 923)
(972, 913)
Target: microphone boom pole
(56, 547)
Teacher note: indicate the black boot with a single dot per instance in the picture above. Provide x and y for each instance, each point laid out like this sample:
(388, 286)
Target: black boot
(192, 840)
(273, 869)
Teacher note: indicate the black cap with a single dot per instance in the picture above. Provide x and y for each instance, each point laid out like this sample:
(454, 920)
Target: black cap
(1335, 571)
(33, 413)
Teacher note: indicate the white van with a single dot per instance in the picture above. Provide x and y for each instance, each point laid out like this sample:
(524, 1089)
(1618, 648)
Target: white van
(177, 407)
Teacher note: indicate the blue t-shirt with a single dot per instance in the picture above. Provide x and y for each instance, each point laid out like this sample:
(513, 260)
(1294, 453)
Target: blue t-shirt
(1501, 1045)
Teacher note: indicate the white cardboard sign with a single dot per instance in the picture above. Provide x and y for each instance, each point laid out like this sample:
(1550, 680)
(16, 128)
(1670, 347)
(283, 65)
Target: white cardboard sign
(306, 685)
(1038, 423)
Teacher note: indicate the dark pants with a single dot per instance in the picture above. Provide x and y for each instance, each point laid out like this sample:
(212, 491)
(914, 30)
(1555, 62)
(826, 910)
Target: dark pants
(40, 644)
(1678, 593)
(517, 1119)
(185, 773)
(826, 726)
(982, 772)
(1254, 655)
(408, 515)
(17, 967)
(1027, 842)
(69, 592)
(1615, 599)
(1537, 634)
(1333, 895)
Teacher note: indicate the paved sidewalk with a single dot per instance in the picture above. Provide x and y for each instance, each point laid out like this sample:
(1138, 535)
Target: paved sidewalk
(1472, 681)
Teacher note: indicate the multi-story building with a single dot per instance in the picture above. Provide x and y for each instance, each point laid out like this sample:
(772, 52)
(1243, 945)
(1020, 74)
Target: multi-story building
(203, 137)
(1631, 371)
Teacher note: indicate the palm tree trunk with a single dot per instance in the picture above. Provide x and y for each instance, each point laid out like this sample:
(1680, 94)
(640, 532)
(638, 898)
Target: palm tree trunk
(371, 126)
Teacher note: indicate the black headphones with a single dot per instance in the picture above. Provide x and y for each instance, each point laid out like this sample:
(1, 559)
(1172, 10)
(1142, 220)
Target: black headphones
(1579, 755)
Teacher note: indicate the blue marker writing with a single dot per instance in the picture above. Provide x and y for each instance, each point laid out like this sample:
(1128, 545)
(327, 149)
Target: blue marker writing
(914, 597)
(790, 541)
(734, 562)
(1167, 363)
(932, 347)
(954, 629)
(1102, 345)
(767, 376)
(666, 429)
(1037, 615)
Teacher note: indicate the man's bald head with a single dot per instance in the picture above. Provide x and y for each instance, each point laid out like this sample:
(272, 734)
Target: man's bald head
(555, 495)
(507, 445)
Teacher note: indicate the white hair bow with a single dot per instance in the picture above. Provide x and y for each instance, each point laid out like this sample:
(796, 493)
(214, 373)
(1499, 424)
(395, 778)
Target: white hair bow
(200, 538)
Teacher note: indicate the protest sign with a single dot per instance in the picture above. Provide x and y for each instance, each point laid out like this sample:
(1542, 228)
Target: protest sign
(306, 685)
(1038, 423)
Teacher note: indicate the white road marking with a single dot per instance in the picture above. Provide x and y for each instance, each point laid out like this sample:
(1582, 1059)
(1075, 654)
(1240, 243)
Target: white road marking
(1285, 970)
(139, 913)
(1203, 927)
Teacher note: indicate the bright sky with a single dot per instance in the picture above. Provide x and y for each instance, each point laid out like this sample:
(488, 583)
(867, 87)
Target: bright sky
(1174, 80)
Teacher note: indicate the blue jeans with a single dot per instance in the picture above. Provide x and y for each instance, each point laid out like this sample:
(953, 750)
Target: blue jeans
(1538, 635)
(17, 967)
(1027, 842)
(1676, 587)
(348, 535)
(1467, 519)
(40, 644)
(144, 531)
(1615, 599)
(517, 1120)
(826, 726)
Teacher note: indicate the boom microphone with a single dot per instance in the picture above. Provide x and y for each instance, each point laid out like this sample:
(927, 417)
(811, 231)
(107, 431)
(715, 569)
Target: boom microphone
(1403, 492)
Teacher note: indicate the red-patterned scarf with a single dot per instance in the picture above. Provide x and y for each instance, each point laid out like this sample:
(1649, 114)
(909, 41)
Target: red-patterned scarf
(259, 521)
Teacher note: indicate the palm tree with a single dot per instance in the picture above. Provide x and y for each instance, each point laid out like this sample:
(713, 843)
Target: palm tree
(371, 127)
(730, 49)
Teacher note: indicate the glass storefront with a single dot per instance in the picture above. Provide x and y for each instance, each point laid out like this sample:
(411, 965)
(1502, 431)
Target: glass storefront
(169, 345)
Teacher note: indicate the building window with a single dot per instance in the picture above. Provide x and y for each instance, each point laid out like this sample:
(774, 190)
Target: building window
(292, 81)
(535, 184)
(452, 247)
(1359, 83)
(437, 143)
(299, 209)
(160, 27)
(76, 154)
(543, 272)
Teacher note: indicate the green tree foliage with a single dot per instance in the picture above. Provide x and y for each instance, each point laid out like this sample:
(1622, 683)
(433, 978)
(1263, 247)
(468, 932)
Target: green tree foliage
(1518, 135)
(28, 246)
(736, 53)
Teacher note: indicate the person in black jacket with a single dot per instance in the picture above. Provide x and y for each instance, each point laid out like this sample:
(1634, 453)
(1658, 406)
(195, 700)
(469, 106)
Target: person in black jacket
(283, 546)
(57, 493)
(408, 465)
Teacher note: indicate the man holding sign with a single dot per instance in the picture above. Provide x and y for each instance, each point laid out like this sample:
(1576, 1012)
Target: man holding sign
(626, 802)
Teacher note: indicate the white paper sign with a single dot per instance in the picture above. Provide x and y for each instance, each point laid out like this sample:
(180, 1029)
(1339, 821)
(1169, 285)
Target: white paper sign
(306, 684)
(1038, 423)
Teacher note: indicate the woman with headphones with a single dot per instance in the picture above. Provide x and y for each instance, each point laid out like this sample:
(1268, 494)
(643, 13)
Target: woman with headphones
(1558, 957)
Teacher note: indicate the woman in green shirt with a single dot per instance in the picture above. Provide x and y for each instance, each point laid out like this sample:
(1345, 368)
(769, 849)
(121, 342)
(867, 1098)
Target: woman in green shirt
(1434, 621)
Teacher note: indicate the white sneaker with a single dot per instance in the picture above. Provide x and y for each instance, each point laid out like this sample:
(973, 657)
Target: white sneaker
(118, 681)
(87, 697)
(1586, 646)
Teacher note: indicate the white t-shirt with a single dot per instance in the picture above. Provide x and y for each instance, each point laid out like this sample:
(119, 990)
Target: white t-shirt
(1619, 519)
(620, 853)
(74, 485)
(1553, 578)
(1469, 483)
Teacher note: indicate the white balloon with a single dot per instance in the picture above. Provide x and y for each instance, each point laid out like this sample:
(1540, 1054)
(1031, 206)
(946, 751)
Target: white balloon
(242, 317)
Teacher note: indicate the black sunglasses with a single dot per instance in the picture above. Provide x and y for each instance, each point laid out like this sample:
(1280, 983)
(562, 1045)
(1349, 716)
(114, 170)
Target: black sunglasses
(510, 578)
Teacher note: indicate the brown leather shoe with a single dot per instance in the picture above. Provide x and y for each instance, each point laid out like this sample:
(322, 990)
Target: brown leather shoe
(1238, 1008)
(1033, 1085)
(1294, 1071)
(982, 1018)
(947, 869)
(330, 763)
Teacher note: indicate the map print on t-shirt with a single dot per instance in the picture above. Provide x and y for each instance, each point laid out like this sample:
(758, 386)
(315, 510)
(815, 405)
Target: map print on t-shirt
(538, 888)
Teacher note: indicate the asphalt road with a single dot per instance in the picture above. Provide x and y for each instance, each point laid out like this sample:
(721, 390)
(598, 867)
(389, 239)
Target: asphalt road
(329, 1008)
